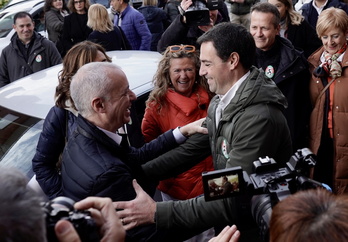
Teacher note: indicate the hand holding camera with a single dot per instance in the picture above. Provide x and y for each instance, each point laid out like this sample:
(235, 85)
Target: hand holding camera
(196, 12)
(67, 221)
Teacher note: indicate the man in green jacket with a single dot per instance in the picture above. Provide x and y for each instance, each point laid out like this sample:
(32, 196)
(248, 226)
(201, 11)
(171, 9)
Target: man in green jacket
(244, 122)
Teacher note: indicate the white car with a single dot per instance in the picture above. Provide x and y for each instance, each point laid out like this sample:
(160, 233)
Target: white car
(25, 103)
(34, 7)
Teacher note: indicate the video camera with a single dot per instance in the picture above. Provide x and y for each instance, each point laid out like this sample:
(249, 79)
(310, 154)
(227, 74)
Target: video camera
(269, 184)
(63, 208)
(198, 13)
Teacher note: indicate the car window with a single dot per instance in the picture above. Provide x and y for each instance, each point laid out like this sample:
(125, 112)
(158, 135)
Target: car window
(6, 25)
(6, 21)
(19, 135)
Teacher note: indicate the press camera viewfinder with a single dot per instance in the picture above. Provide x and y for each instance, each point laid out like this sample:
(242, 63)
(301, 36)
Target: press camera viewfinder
(223, 183)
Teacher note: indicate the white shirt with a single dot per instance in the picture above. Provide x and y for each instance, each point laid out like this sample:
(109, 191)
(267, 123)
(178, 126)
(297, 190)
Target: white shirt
(226, 99)
(319, 9)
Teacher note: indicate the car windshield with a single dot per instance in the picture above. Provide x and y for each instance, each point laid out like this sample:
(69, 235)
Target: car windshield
(6, 23)
(19, 135)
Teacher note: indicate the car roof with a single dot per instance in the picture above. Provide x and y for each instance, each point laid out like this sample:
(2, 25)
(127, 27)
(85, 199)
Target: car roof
(33, 95)
(17, 6)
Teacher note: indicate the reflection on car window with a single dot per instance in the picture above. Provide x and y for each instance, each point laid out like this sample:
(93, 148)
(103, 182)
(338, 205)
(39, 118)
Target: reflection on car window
(19, 135)
(6, 25)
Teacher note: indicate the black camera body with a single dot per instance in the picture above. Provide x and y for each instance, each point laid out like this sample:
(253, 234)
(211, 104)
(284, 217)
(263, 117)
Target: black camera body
(198, 13)
(269, 184)
(63, 208)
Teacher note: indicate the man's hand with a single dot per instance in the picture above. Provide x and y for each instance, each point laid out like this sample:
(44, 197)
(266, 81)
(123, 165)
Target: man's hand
(205, 28)
(194, 127)
(105, 217)
(228, 234)
(185, 4)
(136, 212)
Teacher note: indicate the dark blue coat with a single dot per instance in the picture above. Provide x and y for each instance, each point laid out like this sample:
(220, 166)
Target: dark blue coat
(311, 14)
(51, 143)
(156, 20)
(95, 165)
(113, 40)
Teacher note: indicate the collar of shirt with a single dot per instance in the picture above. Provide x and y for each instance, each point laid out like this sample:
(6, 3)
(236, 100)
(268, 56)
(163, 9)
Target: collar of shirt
(319, 9)
(114, 136)
(226, 99)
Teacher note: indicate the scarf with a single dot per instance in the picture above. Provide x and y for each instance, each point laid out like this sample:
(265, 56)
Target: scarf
(331, 65)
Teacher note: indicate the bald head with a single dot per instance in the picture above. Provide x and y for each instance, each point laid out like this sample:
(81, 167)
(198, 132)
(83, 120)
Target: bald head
(93, 80)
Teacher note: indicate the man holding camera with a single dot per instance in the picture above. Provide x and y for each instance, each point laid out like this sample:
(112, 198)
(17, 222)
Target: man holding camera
(186, 28)
(245, 122)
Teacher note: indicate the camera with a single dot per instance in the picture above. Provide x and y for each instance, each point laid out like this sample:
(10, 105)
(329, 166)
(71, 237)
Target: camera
(268, 185)
(223, 183)
(63, 208)
(198, 13)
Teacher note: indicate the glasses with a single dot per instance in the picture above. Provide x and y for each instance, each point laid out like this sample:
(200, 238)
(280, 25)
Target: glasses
(186, 48)
(77, 2)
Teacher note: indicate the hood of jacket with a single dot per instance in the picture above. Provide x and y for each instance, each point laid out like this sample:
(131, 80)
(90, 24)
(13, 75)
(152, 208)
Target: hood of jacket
(150, 12)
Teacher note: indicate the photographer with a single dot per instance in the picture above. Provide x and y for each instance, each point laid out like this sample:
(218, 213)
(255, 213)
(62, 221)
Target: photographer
(182, 32)
(22, 217)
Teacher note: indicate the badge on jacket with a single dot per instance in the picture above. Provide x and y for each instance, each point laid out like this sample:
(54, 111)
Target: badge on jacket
(38, 58)
(224, 148)
(269, 71)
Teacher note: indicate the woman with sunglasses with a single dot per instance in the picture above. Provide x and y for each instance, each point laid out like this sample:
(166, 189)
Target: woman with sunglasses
(75, 27)
(180, 96)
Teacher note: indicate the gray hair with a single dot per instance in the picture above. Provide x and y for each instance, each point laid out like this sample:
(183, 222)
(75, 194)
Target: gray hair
(90, 81)
(21, 216)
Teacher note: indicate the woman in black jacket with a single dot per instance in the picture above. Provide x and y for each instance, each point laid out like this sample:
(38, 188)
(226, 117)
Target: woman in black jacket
(295, 28)
(75, 27)
(55, 11)
(104, 32)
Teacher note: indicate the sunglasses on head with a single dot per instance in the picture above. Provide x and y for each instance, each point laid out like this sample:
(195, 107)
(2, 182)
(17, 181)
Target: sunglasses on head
(186, 48)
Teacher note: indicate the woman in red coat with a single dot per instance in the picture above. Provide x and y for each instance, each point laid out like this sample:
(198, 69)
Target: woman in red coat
(180, 96)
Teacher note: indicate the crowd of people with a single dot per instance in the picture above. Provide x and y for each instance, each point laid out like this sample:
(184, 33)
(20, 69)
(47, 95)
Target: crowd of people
(267, 84)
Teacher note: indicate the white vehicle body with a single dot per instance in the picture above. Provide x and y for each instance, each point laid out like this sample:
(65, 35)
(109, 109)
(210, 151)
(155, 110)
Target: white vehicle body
(25, 103)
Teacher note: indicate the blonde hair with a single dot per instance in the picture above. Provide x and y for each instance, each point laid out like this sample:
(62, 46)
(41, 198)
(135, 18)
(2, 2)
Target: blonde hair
(150, 2)
(332, 18)
(161, 79)
(292, 17)
(98, 18)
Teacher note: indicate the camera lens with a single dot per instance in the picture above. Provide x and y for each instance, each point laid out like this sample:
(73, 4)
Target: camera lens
(261, 210)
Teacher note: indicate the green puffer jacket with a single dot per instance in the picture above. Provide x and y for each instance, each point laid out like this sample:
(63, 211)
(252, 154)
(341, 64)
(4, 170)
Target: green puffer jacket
(252, 125)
